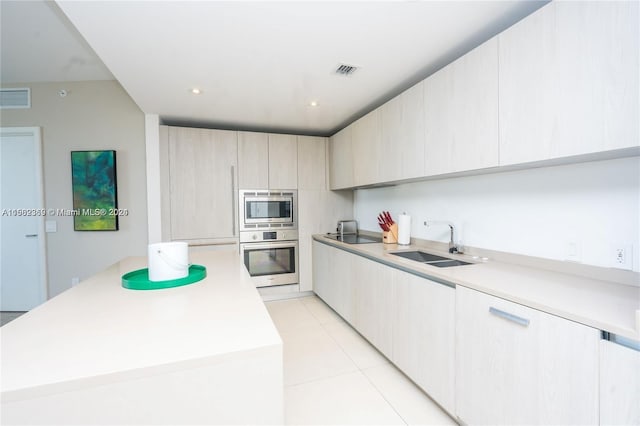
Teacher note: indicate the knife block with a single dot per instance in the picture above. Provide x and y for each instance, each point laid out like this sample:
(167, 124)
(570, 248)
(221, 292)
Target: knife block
(391, 236)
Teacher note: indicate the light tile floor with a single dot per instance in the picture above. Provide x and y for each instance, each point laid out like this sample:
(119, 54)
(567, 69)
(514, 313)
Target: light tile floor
(332, 375)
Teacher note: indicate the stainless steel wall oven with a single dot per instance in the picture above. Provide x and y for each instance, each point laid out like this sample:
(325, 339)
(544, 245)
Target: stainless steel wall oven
(269, 236)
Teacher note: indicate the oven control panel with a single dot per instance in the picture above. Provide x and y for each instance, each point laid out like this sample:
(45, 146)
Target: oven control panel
(262, 236)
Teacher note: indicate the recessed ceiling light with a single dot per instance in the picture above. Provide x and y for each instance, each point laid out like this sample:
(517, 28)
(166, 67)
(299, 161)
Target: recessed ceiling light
(196, 91)
(313, 103)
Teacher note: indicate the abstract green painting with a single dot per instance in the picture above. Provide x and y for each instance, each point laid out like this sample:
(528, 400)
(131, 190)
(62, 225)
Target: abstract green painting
(95, 195)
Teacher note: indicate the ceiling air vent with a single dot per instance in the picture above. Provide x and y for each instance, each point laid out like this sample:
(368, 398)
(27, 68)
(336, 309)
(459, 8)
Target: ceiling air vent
(15, 98)
(346, 70)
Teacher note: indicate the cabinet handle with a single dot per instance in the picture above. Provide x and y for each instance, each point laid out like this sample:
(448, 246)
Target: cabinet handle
(233, 202)
(509, 317)
(31, 235)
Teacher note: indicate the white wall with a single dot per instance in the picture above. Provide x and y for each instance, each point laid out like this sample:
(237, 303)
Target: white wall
(535, 212)
(94, 115)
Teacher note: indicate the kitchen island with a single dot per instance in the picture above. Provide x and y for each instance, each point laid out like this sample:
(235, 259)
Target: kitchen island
(98, 353)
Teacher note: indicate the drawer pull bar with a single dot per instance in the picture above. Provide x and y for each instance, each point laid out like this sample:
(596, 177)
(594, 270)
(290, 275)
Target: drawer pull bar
(509, 317)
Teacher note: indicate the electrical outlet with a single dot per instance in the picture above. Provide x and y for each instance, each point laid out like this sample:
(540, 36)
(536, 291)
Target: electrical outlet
(573, 252)
(622, 255)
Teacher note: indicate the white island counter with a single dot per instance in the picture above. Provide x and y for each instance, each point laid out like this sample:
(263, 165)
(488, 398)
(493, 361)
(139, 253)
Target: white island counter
(205, 353)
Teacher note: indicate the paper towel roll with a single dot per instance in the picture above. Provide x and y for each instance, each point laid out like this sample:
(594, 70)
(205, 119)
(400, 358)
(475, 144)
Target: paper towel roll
(404, 229)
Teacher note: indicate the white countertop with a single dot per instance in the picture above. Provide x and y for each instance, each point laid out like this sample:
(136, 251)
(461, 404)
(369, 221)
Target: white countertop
(99, 331)
(608, 306)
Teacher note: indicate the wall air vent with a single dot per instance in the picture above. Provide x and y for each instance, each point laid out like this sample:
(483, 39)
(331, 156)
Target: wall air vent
(15, 98)
(345, 70)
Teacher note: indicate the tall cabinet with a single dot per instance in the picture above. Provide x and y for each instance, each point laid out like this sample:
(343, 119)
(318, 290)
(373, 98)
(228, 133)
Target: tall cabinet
(203, 184)
(318, 208)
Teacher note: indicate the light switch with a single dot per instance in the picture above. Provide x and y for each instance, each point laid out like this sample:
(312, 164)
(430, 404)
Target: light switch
(51, 226)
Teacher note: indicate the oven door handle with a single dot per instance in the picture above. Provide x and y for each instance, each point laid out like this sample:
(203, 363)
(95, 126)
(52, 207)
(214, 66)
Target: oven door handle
(262, 245)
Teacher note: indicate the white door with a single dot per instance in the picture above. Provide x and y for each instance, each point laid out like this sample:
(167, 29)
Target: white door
(22, 245)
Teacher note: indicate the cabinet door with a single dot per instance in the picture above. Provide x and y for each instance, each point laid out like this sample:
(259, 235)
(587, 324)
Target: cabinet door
(424, 335)
(283, 162)
(311, 162)
(341, 160)
(402, 139)
(461, 113)
(367, 149)
(597, 91)
(321, 271)
(516, 365)
(619, 384)
(332, 278)
(527, 74)
(203, 165)
(569, 81)
(372, 292)
(253, 160)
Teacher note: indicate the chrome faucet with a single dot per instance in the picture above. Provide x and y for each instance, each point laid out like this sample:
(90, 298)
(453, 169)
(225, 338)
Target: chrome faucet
(453, 248)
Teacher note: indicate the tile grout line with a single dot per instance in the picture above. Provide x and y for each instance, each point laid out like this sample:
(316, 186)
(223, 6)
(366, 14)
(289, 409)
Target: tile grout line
(360, 370)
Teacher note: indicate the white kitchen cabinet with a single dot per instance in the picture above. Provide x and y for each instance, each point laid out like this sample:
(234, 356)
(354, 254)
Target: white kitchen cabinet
(461, 113)
(424, 335)
(332, 278)
(203, 190)
(517, 365)
(318, 208)
(312, 163)
(283, 161)
(368, 158)
(372, 301)
(318, 213)
(403, 136)
(341, 160)
(267, 161)
(253, 160)
(569, 81)
(619, 384)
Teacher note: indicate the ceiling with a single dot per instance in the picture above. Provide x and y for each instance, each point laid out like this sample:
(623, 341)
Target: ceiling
(259, 65)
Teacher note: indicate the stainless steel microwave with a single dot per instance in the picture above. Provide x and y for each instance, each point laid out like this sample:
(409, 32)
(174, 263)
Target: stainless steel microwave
(272, 209)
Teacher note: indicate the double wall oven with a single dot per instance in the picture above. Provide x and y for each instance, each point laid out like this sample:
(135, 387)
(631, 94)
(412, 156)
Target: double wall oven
(269, 235)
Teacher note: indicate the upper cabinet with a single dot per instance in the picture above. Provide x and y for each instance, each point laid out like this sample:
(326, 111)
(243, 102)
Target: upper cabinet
(461, 113)
(202, 179)
(253, 160)
(267, 161)
(562, 82)
(312, 163)
(569, 81)
(341, 160)
(283, 161)
(402, 145)
(367, 149)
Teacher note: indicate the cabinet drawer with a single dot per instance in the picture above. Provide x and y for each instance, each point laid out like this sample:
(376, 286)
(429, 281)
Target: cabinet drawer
(517, 365)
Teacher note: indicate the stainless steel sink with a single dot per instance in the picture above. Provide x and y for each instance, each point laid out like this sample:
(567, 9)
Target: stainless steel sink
(354, 238)
(430, 259)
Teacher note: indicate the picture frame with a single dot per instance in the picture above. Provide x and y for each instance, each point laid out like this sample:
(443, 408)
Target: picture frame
(95, 190)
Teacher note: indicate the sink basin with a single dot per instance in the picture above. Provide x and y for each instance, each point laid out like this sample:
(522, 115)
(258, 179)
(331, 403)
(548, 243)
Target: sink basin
(354, 238)
(430, 259)
(420, 256)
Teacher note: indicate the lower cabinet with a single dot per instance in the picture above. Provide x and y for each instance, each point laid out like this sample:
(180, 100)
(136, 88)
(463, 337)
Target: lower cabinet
(332, 278)
(483, 359)
(619, 384)
(424, 335)
(517, 365)
(408, 318)
(373, 304)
